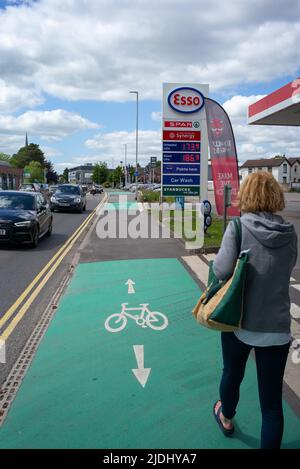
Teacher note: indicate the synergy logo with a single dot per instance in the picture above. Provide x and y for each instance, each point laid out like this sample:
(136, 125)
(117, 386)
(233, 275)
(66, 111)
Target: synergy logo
(186, 100)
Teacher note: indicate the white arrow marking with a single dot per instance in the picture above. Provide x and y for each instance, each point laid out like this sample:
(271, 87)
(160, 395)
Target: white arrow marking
(130, 284)
(141, 373)
(2, 351)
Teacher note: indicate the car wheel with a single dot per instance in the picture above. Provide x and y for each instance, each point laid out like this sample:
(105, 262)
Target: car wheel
(49, 232)
(84, 208)
(35, 239)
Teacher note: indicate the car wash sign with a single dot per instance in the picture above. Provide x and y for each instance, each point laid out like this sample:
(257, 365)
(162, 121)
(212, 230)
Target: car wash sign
(183, 111)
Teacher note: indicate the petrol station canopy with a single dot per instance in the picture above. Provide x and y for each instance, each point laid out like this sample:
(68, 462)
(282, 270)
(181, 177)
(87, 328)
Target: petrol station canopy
(282, 107)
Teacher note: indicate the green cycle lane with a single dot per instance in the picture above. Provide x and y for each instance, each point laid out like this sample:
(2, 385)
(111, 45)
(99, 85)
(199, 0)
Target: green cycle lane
(81, 390)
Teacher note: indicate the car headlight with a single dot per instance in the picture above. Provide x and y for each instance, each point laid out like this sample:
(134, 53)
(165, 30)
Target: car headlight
(77, 200)
(53, 199)
(24, 224)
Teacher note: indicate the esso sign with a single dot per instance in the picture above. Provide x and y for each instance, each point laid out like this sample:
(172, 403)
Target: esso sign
(186, 100)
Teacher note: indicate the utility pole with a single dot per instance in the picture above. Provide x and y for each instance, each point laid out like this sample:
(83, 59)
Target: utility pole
(126, 165)
(136, 144)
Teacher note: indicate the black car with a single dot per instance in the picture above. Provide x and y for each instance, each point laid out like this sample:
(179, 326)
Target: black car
(24, 217)
(68, 197)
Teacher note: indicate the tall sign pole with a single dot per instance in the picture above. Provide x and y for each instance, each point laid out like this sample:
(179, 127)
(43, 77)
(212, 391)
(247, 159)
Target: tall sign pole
(185, 145)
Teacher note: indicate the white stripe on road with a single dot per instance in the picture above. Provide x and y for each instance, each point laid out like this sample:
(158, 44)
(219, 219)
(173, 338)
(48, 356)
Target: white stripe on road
(292, 279)
(296, 286)
(210, 257)
(198, 266)
(2, 351)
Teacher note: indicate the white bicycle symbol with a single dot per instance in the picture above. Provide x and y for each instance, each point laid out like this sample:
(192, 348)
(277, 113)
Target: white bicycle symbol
(146, 318)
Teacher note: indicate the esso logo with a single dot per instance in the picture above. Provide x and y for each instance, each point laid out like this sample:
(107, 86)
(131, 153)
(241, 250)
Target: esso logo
(186, 100)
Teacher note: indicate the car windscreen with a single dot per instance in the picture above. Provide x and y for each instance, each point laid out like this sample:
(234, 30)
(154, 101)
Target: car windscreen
(73, 190)
(16, 202)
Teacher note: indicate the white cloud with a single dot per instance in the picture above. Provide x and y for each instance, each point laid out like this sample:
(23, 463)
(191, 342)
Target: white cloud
(256, 141)
(99, 49)
(112, 146)
(13, 97)
(48, 125)
(156, 116)
(237, 106)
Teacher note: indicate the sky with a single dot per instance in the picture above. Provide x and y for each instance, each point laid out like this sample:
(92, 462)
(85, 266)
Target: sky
(67, 67)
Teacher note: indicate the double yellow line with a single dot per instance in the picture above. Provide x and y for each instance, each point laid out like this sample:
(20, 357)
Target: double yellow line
(50, 268)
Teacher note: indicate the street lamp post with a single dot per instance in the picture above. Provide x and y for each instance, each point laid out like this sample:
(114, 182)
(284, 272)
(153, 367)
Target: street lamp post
(126, 181)
(121, 163)
(136, 142)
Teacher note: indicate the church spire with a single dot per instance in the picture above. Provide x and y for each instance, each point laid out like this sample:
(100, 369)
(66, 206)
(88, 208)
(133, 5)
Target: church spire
(26, 140)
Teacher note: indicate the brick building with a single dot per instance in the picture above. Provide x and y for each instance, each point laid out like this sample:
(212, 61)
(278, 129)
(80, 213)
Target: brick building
(10, 178)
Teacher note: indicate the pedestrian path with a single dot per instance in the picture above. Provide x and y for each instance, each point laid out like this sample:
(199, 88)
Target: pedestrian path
(125, 365)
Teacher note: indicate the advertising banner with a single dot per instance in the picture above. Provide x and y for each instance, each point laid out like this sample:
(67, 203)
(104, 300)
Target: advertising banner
(224, 163)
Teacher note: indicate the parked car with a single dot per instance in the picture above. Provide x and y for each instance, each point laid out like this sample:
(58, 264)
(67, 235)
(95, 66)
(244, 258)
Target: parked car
(68, 197)
(24, 217)
(30, 187)
(53, 189)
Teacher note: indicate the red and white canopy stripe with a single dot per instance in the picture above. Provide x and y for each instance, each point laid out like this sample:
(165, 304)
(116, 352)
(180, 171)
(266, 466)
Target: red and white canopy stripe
(282, 107)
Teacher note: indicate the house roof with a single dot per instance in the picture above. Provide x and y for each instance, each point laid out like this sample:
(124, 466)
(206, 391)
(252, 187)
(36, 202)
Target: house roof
(265, 162)
(4, 163)
(293, 160)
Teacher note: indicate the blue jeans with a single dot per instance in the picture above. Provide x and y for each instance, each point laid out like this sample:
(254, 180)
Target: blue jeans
(270, 365)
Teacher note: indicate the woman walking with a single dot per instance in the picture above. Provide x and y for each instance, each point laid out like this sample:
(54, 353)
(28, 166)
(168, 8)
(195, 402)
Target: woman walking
(266, 317)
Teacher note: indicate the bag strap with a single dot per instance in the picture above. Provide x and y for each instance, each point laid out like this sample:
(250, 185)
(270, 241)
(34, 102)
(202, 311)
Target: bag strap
(238, 232)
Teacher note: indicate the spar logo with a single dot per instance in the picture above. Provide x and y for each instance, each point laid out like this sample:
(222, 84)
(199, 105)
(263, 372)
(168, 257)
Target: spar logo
(216, 126)
(186, 100)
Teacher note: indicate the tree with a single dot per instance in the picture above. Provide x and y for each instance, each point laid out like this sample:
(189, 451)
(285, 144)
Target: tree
(131, 173)
(5, 157)
(65, 175)
(100, 173)
(118, 175)
(51, 174)
(27, 154)
(36, 171)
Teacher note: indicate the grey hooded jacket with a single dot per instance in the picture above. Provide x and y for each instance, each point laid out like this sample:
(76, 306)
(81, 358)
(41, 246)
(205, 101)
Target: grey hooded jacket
(273, 254)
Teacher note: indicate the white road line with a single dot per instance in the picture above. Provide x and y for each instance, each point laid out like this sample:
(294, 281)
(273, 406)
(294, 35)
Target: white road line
(210, 257)
(292, 279)
(295, 311)
(198, 266)
(291, 375)
(141, 373)
(2, 351)
(296, 286)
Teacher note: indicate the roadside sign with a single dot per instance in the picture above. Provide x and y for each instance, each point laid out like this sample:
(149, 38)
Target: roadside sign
(185, 135)
(185, 180)
(181, 168)
(183, 125)
(179, 202)
(181, 146)
(181, 157)
(183, 191)
(136, 173)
